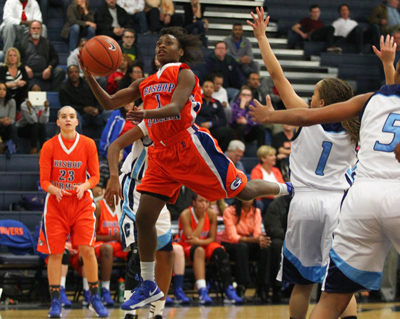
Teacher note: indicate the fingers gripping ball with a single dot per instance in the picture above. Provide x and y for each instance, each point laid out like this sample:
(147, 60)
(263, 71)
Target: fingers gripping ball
(101, 55)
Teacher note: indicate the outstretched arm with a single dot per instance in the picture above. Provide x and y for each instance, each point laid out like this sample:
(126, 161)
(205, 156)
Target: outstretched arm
(305, 117)
(387, 55)
(184, 88)
(285, 89)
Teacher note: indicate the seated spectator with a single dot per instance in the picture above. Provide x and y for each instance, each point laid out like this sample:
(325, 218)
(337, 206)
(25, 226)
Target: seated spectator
(137, 16)
(275, 224)
(160, 14)
(17, 17)
(14, 75)
(7, 115)
(212, 117)
(312, 29)
(221, 95)
(76, 92)
(244, 241)
(79, 23)
(45, 5)
(246, 130)
(347, 30)
(183, 201)
(111, 19)
(32, 124)
(115, 78)
(194, 22)
(240, 49)
(235, 152)
(197, 229)
(41, 59)
(129, 47)
(266, 170)
(108, 245)
(225, 64)
(133, 73)
(253, 82)
(116, 126)
(386, 16)
(282, 142)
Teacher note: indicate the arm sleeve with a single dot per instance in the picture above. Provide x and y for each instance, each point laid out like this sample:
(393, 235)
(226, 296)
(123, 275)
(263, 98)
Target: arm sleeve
(93, 164)
(9, 12)
(29, 117)
(12, 110)
(37, 14)
(45, 115)
(53, 55)
(230, 227)
(102, 26)
(45, 165)
(257, 223)
(72, 16)
(256, 173)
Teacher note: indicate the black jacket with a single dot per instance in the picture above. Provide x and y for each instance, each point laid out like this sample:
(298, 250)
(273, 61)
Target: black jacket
(104, 20)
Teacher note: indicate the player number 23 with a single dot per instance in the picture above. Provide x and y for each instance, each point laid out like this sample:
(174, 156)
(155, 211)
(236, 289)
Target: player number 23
(64, 173)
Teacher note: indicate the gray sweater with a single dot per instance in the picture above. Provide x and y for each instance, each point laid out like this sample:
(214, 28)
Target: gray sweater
(8, 109)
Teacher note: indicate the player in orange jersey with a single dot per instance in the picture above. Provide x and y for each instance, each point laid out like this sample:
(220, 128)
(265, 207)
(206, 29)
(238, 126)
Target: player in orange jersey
(108, 245)
(181, 153)
(69, 167)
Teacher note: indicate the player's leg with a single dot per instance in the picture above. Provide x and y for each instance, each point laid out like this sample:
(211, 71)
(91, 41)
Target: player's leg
(65, 302)
(91, 271)
(54, 277)
(331, 305)
(106, 263)
(299, 300)
(132, 278)
(179, 272)
(260, 188)
(198, 257)
(163, 273)
(351, 309)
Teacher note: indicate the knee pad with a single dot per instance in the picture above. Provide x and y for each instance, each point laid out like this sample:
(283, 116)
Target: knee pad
(65, 257)
(132, 276)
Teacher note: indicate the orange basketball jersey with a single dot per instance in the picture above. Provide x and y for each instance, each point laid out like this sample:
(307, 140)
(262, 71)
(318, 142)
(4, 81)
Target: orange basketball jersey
(108, 223)
(205, 232)
(157, 90)
(67, 163)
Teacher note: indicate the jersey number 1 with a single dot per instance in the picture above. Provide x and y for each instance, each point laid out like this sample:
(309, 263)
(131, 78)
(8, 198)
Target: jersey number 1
(327, 146)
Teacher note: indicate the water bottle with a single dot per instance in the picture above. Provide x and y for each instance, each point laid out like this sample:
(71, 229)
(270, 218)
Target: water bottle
(121, 290)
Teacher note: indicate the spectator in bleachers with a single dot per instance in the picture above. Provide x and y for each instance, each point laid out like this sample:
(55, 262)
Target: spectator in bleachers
(115, 78)
(240, 49)
(161, 13)
(76, 92)
(129, 47)
(235, 152)
(246, 130)
(194, 22)
(313, 29)
(111, 20)
(386, 16)
(7, 114)
(267, 171)
(275, 225)
(183, 201)
(282, 142)
(253, 82)
(135, 10)
(79, 23)
(347, 30)
(32, 124)
(17, 17)
(107, 246)
(116, 126)
(45, 4)
(198, 229)
(244, 241)
(221, 95)
(134, 72)
(212, 117)
(154, 65)
(14, 75)
(221, 62)
(41, 59)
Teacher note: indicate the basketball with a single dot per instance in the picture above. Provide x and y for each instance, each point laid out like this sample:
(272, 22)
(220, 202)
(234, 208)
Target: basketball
(101, 55)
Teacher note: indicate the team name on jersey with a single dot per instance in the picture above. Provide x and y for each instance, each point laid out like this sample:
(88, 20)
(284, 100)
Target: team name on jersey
(108, 224)
(66, 186)
(67, 164)
(150, 122)
(156, 88)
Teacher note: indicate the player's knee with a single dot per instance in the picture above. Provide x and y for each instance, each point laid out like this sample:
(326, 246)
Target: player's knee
(106, 251)
(199, 252)
(178, 251)
(86, 251)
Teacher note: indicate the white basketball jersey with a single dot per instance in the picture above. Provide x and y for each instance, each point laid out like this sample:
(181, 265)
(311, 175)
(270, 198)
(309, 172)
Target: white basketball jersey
(379, 134)
(321, 155)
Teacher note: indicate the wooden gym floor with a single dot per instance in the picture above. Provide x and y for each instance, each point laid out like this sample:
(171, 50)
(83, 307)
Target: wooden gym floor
(366, 311)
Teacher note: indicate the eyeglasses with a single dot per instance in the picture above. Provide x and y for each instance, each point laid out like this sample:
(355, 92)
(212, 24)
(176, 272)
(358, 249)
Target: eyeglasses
(244, 94)
(129, 36)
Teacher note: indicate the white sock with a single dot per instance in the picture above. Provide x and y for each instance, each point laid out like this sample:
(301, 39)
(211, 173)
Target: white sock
(85, 284)
(283, 189)
(62, 283)
(201, 283)
(156, 308)
(105, 284)
(147, 270)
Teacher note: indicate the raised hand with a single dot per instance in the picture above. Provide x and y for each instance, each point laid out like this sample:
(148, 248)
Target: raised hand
(260, 113)
(259, 25)
(387, 50)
